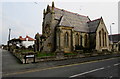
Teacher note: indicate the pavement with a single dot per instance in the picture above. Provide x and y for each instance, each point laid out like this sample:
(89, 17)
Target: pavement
(88, 67)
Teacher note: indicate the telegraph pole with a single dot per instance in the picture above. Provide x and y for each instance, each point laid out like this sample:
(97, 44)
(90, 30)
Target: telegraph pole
(9, 39)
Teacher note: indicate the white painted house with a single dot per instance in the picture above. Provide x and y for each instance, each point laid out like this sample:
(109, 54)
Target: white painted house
(27, 41)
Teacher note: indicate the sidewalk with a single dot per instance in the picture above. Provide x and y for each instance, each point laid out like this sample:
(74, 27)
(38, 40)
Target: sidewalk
(14, 66)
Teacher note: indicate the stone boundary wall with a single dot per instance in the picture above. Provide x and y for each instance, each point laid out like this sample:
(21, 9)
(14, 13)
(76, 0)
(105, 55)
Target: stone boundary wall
(57, 58)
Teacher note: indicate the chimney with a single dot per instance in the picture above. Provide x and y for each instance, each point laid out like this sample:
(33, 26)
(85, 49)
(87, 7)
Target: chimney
(20, 36)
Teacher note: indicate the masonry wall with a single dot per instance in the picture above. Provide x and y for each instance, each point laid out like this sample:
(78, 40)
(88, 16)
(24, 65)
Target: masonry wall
(61, 39)
(100, 27)
(92, 40)
(49, 41)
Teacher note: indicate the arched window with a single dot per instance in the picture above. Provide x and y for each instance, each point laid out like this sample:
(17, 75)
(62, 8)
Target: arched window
(100, 38)
(103, 37)
(66, 40)
(77, 39)
(80, 40)
(85, 40)
(105, 40)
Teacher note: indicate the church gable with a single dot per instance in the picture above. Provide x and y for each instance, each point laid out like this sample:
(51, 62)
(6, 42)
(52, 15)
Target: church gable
(101, 26)
(95, 24)
(102, 41)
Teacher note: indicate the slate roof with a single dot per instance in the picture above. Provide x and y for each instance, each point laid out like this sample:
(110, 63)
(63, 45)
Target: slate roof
(93, 25)
(114, 38)
(79, 22)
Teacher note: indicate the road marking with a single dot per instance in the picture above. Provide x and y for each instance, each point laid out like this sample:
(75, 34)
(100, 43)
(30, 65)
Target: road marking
(39, 69)
(110, 77)
(86, 72)
(116, 64)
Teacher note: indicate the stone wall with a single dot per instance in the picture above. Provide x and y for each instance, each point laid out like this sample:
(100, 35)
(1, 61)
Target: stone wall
(74, 39)
(49, 43)
(102, 31)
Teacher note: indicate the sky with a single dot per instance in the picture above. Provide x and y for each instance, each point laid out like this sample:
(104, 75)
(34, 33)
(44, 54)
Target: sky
(25, 18)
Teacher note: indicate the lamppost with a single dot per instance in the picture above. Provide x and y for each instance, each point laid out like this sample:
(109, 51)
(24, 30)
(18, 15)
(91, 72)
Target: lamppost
(111, 31)
(9, 39)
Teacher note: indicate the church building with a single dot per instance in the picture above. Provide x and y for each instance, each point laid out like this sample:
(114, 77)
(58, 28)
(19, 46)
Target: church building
(67, 32)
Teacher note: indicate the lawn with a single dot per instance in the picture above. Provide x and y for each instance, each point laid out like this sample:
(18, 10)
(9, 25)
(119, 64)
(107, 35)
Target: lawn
(70, 54)
(45, 54)
(26, 50)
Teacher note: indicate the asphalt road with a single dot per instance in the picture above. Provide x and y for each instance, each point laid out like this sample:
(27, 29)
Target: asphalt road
(70, 68)
(104, 68)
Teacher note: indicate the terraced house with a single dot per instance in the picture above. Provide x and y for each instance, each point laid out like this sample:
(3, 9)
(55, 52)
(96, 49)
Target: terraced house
(66, 31)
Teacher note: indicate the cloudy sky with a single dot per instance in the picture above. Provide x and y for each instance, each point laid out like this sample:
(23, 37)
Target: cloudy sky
(25, 18)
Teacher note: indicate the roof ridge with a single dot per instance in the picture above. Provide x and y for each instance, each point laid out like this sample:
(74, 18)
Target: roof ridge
(70, 12)
(94, 20)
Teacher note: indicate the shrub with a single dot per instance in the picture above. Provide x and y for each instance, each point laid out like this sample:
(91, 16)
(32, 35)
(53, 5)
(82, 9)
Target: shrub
(30, 47)
(78, 47)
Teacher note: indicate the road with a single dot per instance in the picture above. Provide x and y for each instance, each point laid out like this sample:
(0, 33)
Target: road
(71, 68)
(103, 68)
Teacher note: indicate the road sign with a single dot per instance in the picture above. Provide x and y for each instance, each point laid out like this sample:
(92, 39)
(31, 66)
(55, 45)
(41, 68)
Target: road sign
(29, 56)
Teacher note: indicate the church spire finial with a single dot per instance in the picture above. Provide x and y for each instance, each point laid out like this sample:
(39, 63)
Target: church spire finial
(53, 4)
(44, 11)
(53, 7)
(48, 8)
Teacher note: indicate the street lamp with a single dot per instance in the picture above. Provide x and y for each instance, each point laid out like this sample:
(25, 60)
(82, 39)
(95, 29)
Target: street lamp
(111, 31)
(9, 39)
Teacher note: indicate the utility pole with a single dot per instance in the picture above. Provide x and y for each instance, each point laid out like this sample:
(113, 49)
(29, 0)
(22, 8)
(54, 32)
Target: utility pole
(9, 39)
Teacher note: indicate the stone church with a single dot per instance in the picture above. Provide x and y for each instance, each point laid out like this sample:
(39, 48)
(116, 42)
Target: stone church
(67, 31)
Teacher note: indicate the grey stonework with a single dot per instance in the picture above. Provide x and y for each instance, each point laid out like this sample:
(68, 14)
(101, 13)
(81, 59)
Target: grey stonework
(65, 31)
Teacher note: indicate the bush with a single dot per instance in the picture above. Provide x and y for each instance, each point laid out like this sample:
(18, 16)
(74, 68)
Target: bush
(85, 49)
(23, 47)
(30, 47)
(78, 47)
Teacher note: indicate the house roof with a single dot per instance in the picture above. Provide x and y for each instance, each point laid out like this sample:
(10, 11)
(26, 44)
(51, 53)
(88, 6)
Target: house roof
(26, 38)
(79, 22)
(114, 38)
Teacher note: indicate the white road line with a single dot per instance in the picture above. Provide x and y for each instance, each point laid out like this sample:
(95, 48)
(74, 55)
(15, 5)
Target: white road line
(110, 77)
(116, 64)
(86, 72)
